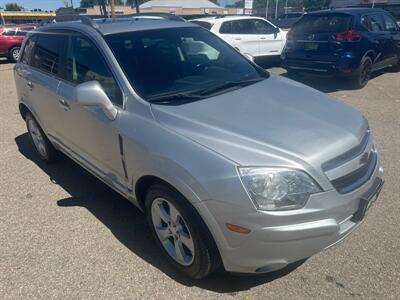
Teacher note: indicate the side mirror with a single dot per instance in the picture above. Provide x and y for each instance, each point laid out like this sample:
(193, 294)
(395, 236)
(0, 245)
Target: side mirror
(91, 93)
(249, 56)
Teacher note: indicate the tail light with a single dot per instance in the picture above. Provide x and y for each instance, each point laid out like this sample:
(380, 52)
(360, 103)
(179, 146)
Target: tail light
(348, 36)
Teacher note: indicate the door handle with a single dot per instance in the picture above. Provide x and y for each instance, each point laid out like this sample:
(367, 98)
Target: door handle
(238, 39)
(30, 85)
(64, 104)
(263, 38)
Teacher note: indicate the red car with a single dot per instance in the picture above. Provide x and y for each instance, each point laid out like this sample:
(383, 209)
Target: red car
(11, 38)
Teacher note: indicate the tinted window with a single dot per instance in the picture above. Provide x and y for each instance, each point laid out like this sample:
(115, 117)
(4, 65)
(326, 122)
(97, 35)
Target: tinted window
(375, 22)
(85, 63)
(389, 23)
(262, 27)
(47, 52)
(244, 27)
(206, 25)
(28, 50)
(226, 27)
(178, 60)
(315, 23)
(24, 31)
(9, 32)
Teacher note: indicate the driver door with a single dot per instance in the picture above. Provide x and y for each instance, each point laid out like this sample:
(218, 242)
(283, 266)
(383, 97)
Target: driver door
(245, 38)
(90, 135)
(270, 37)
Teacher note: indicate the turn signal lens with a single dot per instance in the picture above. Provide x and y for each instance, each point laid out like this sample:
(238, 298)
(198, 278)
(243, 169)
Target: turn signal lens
(237, 228)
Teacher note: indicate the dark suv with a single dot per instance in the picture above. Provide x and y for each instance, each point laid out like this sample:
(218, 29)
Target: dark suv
(353, 42)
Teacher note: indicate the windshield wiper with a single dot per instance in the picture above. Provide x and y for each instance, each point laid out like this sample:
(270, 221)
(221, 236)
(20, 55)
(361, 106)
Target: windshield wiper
(175, 97)
(229, 84)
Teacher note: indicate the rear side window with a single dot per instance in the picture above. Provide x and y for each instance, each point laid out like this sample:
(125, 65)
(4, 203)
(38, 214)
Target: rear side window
(206, 25)
(316, 23)
(226, 27)
(47, 53)
(28, 50)
(85, 63)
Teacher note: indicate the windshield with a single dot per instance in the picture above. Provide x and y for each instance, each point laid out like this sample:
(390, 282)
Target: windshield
(180, 61)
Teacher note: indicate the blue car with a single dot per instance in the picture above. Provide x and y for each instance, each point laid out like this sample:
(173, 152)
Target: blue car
(353, 42)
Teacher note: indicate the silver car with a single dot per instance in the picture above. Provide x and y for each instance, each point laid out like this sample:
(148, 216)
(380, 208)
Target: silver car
(232, 166)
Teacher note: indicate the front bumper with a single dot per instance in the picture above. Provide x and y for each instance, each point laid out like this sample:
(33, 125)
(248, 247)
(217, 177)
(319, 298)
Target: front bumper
(280, 238)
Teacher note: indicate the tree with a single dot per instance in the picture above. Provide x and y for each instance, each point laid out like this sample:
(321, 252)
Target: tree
(13, 7)
(88, 3)
(132, 2)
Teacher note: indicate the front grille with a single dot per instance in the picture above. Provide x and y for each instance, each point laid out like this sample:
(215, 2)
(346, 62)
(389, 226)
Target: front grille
(348, 155)
(357, 178)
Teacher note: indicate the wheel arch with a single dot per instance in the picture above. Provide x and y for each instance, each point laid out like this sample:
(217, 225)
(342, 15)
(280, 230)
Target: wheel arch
(23, 110)
(145, 182)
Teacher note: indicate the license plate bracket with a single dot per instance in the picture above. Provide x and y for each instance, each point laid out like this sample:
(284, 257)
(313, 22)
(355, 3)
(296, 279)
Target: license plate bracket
(311, 46)
(368, 199)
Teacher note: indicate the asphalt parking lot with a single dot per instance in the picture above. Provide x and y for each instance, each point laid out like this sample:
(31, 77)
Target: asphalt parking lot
(64, 234)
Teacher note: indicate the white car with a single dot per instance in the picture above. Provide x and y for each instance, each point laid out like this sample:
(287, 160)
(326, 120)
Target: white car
(249, 35)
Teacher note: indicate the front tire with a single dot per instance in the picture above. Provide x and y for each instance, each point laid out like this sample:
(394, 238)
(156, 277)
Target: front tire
(13, 54)
(180, 233)
(41, 143)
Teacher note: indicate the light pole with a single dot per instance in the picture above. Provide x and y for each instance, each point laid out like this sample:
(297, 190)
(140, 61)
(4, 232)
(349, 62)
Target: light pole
(276, 8)
(266, 10)
(373, 3)
(286, 6)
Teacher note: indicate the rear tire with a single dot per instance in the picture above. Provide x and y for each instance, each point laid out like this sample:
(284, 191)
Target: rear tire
(13, 54)
(40, 142)
(363, 73)
(180, 233)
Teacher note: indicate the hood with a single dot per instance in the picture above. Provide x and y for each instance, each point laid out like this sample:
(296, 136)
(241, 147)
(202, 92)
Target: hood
(275, 121)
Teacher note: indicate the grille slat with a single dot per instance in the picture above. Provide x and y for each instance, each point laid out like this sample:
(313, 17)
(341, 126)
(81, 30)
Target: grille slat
(357, 178)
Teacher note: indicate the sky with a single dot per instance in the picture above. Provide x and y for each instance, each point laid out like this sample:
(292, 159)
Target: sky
(54, 4)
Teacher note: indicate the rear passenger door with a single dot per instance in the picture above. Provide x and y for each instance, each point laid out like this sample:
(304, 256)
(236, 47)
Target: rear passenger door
(40, 74)
(91, 137)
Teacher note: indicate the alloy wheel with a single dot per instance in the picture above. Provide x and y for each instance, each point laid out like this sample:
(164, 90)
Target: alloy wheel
(37, 137)
(15, 54)
(172, 231)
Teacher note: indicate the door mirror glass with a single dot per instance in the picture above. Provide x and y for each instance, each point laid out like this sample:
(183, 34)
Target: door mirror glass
(91, 93)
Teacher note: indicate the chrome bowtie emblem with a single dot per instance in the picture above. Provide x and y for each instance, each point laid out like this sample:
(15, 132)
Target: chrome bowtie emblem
(311, 37)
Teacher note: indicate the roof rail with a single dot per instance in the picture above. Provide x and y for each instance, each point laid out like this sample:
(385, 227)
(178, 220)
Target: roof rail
(165, 16)
(70, 18)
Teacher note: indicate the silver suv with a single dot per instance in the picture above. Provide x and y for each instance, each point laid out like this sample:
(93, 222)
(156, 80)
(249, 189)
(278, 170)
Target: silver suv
(232, 166)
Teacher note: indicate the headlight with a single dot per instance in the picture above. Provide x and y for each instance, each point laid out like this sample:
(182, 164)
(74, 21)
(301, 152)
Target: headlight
(278, 188)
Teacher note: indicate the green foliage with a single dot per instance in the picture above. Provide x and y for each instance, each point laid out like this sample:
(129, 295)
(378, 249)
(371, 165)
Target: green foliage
(13, 7)
(88, 3)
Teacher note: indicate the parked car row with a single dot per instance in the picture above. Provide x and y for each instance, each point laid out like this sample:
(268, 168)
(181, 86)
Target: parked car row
(11, 38)
(351, 43)
(233, 166)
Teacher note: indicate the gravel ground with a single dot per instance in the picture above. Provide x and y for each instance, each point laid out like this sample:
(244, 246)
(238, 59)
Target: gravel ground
(66, 235)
